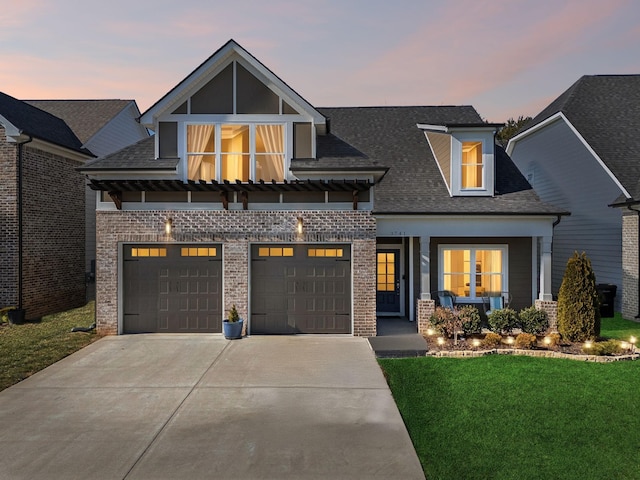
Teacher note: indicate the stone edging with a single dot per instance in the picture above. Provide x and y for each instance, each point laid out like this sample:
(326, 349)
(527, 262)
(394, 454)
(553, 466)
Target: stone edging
(531, 353)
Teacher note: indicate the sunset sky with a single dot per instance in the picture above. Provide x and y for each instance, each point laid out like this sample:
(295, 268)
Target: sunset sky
(506, 58)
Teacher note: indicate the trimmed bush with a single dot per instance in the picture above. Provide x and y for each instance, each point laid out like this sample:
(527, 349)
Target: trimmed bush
(554, 339)
(578, 301)
(491, 340)
(525, 340)
(533, 320)
(470, 318)
(503, 320)
(446, 321)
(610, 347)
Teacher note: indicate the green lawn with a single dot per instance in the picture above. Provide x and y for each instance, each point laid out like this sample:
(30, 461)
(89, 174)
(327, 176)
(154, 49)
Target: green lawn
(619, 328)
(27, 349)
(504, 417)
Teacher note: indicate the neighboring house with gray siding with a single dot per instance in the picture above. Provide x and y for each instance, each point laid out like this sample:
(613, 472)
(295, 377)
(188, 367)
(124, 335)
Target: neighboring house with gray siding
(309, 220)
(103, 127)
(582, 153)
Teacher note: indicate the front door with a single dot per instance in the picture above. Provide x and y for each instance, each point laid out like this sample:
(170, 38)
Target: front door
(388, 281)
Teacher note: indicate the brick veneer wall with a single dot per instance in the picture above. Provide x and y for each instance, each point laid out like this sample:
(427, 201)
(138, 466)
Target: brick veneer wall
(8, 223)
(630, 266)
(237, 230)
(425, 309)
(551, 307)
(53, 231)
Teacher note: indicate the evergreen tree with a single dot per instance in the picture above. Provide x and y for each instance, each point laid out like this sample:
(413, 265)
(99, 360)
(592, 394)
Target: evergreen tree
(578, 302)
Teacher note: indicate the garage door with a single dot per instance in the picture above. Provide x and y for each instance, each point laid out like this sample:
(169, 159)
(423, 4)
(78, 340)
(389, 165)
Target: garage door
(172, 288)
(300, 289)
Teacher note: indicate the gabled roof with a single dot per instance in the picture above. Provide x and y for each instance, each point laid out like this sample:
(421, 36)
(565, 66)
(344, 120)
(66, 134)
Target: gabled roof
(85, 117)
(207, 70)
(20, 117)
(382, 139)
(605, 111)
(390, 137)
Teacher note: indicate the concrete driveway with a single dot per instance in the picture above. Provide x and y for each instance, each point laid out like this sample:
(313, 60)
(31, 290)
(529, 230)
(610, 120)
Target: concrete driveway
(200, 406)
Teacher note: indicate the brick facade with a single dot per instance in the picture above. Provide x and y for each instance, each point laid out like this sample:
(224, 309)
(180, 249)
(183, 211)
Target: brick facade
(630, 307)
(551, 307)
(424, 310)
(53, 231)
(237, 230)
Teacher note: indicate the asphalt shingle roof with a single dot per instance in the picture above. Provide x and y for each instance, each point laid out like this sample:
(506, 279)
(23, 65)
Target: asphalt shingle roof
(85, 117)
(385, 138)
(38, 123)
(389, 137)
(139, 156)
(605, 109)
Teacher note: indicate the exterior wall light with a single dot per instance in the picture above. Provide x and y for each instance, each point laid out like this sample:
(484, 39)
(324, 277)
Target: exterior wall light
(168, 225)
(299, 225)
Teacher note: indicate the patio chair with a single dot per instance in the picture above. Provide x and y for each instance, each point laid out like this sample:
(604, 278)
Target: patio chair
(496, 301)
(446, 299)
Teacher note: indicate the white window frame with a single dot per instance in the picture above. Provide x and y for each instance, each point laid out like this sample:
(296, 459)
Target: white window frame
(504, 248)
(488, 163)
(218, 145)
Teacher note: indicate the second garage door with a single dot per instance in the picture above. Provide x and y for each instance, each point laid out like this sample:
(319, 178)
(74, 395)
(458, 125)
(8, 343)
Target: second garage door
(300, 289)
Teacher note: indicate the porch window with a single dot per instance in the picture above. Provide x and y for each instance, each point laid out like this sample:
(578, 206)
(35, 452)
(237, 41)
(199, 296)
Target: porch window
(235, 152)
(473, 272)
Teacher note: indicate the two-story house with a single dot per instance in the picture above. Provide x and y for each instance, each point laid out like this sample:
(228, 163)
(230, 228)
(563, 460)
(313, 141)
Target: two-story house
(309, 220)
(581, 153)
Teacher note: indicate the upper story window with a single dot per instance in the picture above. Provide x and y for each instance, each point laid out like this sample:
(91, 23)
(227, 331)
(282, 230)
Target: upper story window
(472, 175)
(465, 157)
(236, 152)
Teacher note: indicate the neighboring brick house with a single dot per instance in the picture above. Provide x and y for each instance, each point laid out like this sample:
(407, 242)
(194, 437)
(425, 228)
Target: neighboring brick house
(582, 153)
(103, 127)
(309, 220)
(42, 208)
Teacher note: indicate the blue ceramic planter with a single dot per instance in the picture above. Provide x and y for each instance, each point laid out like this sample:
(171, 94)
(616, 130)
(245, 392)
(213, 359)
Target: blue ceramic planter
(232, 330)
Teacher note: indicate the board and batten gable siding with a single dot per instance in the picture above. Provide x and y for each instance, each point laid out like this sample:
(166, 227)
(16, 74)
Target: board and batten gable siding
(520, 264)
(441, 147)
(564, 173)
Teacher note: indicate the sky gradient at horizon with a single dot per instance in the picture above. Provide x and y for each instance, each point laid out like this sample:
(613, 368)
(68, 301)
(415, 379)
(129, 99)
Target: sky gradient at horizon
(506, 58)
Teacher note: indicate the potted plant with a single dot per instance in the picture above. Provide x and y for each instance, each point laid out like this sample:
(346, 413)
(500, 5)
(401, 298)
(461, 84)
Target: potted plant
(232, 325)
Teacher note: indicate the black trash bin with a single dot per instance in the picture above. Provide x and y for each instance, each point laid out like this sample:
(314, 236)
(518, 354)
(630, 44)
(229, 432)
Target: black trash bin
(607, 293)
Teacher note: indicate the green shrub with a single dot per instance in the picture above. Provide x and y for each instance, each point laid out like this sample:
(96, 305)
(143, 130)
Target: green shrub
(503, 320)
(578, 302)
(470, 318)
(446, 321)
(526, 340)
(491, 340)
(533, 320)
(610, 347)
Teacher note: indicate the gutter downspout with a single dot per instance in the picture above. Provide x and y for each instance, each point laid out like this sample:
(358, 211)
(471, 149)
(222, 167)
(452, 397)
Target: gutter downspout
(20, 217)
(638, 212)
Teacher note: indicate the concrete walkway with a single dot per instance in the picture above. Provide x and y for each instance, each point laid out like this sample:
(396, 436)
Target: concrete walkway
(200, 406)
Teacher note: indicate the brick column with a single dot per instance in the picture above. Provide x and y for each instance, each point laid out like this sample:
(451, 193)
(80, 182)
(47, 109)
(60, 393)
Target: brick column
(629, 266)
(551, 307)
(424, 310)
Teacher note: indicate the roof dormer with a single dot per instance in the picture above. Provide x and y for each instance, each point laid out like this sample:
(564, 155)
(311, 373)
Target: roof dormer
(465, 154)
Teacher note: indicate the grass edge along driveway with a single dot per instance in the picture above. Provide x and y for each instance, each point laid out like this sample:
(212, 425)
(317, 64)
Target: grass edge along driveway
(28, 348)
(504, 417)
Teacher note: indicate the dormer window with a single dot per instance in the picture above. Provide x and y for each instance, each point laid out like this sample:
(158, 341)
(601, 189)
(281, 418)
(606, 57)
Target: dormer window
(236, 152)
(465, 156)
(472, 175)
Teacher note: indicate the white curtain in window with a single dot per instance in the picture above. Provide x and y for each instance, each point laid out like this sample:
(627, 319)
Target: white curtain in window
(197, 139)
(270, 164)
